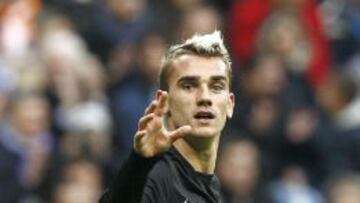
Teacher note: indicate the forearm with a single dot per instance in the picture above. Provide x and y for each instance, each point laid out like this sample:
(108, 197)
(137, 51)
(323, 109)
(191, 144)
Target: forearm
(129, 184)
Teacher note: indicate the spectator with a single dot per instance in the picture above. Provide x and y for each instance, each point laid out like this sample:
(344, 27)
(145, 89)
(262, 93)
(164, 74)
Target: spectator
(76, 79)
(247, 17)
(201, 20)
(339, 100)
(130, 99)
(81, 183)
(293, 187)
(239, 171)
(27, 142)
(344, 189)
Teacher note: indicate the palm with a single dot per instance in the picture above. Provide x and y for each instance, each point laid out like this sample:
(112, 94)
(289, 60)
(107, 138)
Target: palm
(152, 138)
(155, 140)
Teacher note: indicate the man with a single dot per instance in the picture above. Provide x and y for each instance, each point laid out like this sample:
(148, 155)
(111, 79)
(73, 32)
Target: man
(176, 144)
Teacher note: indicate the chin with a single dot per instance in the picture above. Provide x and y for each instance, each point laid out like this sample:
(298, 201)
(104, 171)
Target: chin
(205, 132)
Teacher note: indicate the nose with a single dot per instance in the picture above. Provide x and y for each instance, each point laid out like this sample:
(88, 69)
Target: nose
(204, 98)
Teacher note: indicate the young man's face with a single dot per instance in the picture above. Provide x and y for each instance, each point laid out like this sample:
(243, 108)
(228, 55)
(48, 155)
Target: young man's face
(199, 94)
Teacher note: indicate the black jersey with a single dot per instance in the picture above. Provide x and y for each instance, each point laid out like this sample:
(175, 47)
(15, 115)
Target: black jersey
(164, 179)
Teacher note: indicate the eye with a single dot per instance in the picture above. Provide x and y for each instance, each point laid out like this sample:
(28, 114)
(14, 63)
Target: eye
(218, 87)
(187, 86)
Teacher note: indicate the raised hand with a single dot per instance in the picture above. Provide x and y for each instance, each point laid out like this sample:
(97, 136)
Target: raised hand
(152, 138)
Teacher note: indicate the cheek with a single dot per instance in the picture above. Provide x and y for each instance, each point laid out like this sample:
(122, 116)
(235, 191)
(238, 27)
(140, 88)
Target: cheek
(179, 105)
(223, 105)
(224, 108)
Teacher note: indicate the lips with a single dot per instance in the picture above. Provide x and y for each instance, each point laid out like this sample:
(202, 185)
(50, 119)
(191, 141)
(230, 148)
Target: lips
(204, 115)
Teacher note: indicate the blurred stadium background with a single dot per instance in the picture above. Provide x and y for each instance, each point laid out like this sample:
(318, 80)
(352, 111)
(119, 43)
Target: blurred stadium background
(75, 76)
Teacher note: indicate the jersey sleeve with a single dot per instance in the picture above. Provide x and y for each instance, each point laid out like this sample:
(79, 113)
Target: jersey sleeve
(160, 183)
(155, 191)
(130, 181)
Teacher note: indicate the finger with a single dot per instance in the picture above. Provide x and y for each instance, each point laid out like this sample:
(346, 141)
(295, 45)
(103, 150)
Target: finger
(137, 138)
(162, 103)
(179, 133)
(151, 107)
(145, 120)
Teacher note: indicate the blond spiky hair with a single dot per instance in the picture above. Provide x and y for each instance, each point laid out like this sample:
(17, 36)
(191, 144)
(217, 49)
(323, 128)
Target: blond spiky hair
(208, 45)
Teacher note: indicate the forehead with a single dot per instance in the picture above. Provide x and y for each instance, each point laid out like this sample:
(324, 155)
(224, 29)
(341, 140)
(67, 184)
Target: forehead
(199, 66)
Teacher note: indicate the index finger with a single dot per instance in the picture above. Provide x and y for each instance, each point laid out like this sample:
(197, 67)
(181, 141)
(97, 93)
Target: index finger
(151, 107)
(161, 103)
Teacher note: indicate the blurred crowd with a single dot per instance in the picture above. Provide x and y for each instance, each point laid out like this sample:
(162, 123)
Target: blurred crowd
(76, 75)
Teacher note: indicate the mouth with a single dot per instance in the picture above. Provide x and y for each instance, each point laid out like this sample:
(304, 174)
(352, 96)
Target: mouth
(204, 116)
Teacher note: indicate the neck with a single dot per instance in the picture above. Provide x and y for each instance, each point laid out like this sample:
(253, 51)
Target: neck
(201, 153)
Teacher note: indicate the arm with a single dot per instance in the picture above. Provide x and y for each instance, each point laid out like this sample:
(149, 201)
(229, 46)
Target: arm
(151, 140)
(130, 181)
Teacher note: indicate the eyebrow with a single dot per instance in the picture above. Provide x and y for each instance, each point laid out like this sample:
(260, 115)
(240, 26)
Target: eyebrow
(195, 78)
(218, 78)
(188, 79)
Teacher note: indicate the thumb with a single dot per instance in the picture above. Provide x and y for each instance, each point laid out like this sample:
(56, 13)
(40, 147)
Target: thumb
(179, 133)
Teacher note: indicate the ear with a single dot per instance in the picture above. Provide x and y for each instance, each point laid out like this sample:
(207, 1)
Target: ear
(230, 106)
